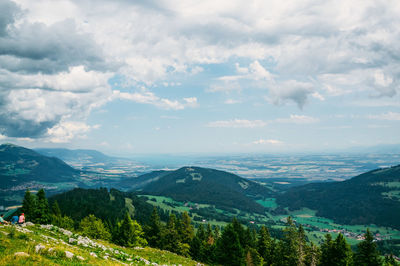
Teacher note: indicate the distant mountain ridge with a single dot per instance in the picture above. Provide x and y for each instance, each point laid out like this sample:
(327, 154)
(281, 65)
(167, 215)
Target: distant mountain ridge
(208, 186)
(369, 198)
(75, 155)
(19, 165)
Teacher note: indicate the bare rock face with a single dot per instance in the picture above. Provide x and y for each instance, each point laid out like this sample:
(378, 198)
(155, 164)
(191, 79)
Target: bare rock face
(69, 255)
(21, 254)
(39, 247)
(93, 254)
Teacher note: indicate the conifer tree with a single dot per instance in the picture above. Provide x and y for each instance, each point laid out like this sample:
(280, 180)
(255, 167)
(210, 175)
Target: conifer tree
(29, 206)
(170, 236)
(216, 232)
(93, 227)
(265, 245)
(154, 229)
(42, 211)
(229, 251)
(186, 230)
(367, 253)
(327, 250)
(55, 208)
(312, 255)
(343, 254)
(129, 233)
(290, 245)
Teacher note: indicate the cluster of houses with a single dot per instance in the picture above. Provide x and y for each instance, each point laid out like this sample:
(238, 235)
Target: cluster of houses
(357, 236)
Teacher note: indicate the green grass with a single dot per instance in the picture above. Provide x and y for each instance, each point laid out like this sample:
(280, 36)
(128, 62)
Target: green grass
(12, 241)
(268, 202)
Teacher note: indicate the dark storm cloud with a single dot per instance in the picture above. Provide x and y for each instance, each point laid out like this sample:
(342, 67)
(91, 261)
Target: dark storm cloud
(32, 47)
(7, 15)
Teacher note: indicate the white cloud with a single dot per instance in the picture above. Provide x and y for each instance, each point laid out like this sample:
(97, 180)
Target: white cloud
(298, 119)
(147, 97)
(237, 123)
(391, 116)
(268, 142)
(231, 101)
(68, 130)
(57, 56)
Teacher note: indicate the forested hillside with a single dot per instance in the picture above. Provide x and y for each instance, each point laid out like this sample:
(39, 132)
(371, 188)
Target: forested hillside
(109, 205)
(209, 186)
(19, 165)
(370, 198)
(231, 245)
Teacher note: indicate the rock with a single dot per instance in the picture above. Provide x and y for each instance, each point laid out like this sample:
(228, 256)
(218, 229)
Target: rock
(39, 247)
(72, 240)
(69, 255)
(50, 250)
(80, 258)
(65, 232)
(47, 226)
(21, 254)
(93, 254)
(29, 224)
(105, 257)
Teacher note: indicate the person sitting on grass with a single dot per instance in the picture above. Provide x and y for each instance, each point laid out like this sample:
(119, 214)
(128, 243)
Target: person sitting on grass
(2, 221)
(14, 219)
(21, 219)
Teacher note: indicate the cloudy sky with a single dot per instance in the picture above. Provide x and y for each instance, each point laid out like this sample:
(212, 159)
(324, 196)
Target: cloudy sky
(172, 76)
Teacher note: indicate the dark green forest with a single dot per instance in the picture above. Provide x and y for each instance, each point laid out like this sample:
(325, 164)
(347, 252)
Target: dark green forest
(369, 198)
(234, 244)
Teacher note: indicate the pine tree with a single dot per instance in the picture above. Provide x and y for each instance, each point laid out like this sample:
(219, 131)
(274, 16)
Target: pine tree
(186, 230)
(42, 211)
(129, 233)
(170, 237)
(93, 227)
(229, 251)
(327, 250)
(29, 206)
(265, 245)
(367, 253)
(216, 232)
(342, 254)
(154, 229)
(312, 255)
(55, 208)
(291, 246)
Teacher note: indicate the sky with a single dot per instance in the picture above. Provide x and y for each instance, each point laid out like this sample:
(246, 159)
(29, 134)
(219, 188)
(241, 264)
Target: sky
(227, 76)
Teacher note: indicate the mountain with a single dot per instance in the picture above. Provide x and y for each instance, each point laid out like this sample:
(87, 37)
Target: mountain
(209, 186)
(19, 165)
(22, 168)
(81, 156)
(369, 198)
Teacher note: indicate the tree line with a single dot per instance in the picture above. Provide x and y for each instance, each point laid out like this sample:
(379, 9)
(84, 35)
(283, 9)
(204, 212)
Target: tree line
(233, 245)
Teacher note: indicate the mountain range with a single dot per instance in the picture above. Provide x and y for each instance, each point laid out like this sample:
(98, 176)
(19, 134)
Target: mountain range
(369, 198)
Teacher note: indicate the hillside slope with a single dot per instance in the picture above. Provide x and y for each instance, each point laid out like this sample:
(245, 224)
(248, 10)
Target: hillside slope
(209, 186)
(109, 205)
(370, 198)
(19, 165)
(80, 155)
(50, 245)
(22, 168)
